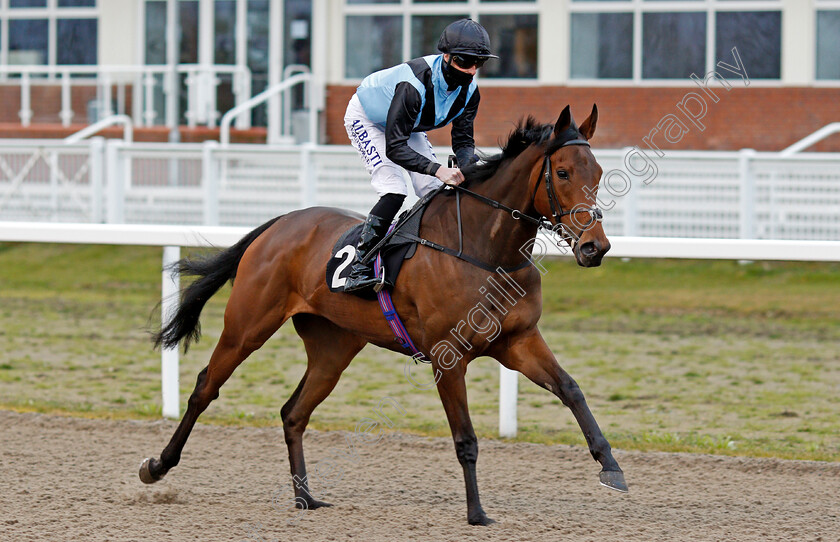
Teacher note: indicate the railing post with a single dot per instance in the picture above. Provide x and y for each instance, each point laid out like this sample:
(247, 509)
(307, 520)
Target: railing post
(54, 188)
(116, 182)
(121, 98)
(169, 363)
(275, 61)
(106, 110)
(631, 205)
(137, 95)
(170, 90)
(508, 391)
(746, 227)
(212, 108)
(193, 109)
(97, 151)
(149, 112)
(210, 183)
(25, 100)
(242, 91)
(66, 113)
(316, 99)
(286, 100)
(631, 211)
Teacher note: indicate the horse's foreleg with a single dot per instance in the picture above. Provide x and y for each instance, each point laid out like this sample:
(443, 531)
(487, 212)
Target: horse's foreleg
(531, 356)
(329, 350)
(453, 395)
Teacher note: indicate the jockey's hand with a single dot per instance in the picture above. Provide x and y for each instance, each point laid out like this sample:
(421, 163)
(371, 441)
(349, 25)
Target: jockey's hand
(451, 176)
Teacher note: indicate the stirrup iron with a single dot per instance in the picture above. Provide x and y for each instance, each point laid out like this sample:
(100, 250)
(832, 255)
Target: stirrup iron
(381, 284)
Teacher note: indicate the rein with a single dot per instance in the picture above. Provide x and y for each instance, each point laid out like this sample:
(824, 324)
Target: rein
(557, 212)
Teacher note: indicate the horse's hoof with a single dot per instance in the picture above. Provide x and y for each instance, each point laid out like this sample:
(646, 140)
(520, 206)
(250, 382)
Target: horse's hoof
(313, 504)
(481, 519)
(146, 475)
(614, 479)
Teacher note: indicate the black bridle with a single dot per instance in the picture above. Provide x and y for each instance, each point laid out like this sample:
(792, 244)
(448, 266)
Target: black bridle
(557, 212)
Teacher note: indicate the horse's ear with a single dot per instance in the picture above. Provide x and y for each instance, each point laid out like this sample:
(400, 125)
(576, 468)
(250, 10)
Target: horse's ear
(587, 129)
(564, 122)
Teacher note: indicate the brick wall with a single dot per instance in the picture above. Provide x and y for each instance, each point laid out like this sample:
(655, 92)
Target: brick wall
(155, 134)
(45, 102)
(765, 119)
(46, 123)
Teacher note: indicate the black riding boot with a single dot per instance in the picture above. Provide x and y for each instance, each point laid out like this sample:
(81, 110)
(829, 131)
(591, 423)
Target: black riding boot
(361, 275)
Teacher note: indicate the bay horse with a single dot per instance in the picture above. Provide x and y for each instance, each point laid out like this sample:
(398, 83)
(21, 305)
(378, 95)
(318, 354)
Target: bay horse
(279, 270)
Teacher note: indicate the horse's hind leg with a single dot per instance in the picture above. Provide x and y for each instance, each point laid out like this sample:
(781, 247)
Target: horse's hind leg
(329, 350)
(247, 327)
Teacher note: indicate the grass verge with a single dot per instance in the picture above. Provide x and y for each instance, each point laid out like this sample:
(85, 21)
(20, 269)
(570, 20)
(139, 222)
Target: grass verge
(698, 356)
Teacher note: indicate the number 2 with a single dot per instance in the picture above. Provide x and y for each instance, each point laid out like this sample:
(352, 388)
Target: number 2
(348, 253)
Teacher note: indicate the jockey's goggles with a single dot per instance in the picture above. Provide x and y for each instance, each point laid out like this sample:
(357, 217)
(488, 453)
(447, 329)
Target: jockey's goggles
(468, 61)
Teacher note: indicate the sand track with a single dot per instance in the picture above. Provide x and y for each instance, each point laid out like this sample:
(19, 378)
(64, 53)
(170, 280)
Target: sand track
(76, 479)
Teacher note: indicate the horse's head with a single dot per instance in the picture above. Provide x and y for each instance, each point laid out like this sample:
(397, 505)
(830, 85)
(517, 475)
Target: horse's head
(567, 187)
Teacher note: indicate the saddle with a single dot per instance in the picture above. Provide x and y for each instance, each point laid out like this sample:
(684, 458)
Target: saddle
(400, 245)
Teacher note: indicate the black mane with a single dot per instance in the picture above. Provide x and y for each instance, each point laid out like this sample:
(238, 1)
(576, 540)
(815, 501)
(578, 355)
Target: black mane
(528, 132)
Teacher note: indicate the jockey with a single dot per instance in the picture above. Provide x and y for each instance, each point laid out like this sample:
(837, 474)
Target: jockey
(389, 114)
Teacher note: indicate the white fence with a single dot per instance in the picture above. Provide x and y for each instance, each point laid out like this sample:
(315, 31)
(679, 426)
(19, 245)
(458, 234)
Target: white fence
(155, 90)
(729, 205)
(173, 237)
(728, 195)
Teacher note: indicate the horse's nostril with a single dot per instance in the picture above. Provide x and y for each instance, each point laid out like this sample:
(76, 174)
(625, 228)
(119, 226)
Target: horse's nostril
(589, 249)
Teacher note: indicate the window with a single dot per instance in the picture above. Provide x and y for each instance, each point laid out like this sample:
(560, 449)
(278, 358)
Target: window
(425, 32)
(50, 32)
(655, 40)
(673, 45)
(602, 46)
(224, 46)
(373, 43)
(514, 40)
(828, 44)
(28, 41)
(758, 37)
(76, 3)
(374, 33)
(155, 33)
(258, 37)
(27, 3)
(78, 39)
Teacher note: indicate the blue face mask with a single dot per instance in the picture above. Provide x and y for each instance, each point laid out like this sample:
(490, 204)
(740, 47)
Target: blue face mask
(454, 77)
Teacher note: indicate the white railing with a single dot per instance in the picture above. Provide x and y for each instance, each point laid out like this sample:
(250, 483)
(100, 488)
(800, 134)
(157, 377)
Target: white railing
(816, 137)
(734, 195)
(171, 238)
(282, 87)
(124, 120)
(145, 81)
(286, 126)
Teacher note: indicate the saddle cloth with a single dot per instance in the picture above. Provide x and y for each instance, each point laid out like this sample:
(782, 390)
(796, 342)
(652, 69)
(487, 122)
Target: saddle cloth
(395, 251)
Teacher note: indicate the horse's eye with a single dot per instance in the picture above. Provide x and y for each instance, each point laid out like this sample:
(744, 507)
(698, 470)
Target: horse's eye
(563, 174)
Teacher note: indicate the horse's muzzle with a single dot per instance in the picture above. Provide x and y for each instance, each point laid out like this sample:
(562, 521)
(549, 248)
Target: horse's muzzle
(590, 253)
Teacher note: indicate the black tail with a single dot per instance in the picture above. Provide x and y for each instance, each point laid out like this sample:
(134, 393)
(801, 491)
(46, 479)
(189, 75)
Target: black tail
(213, 271)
